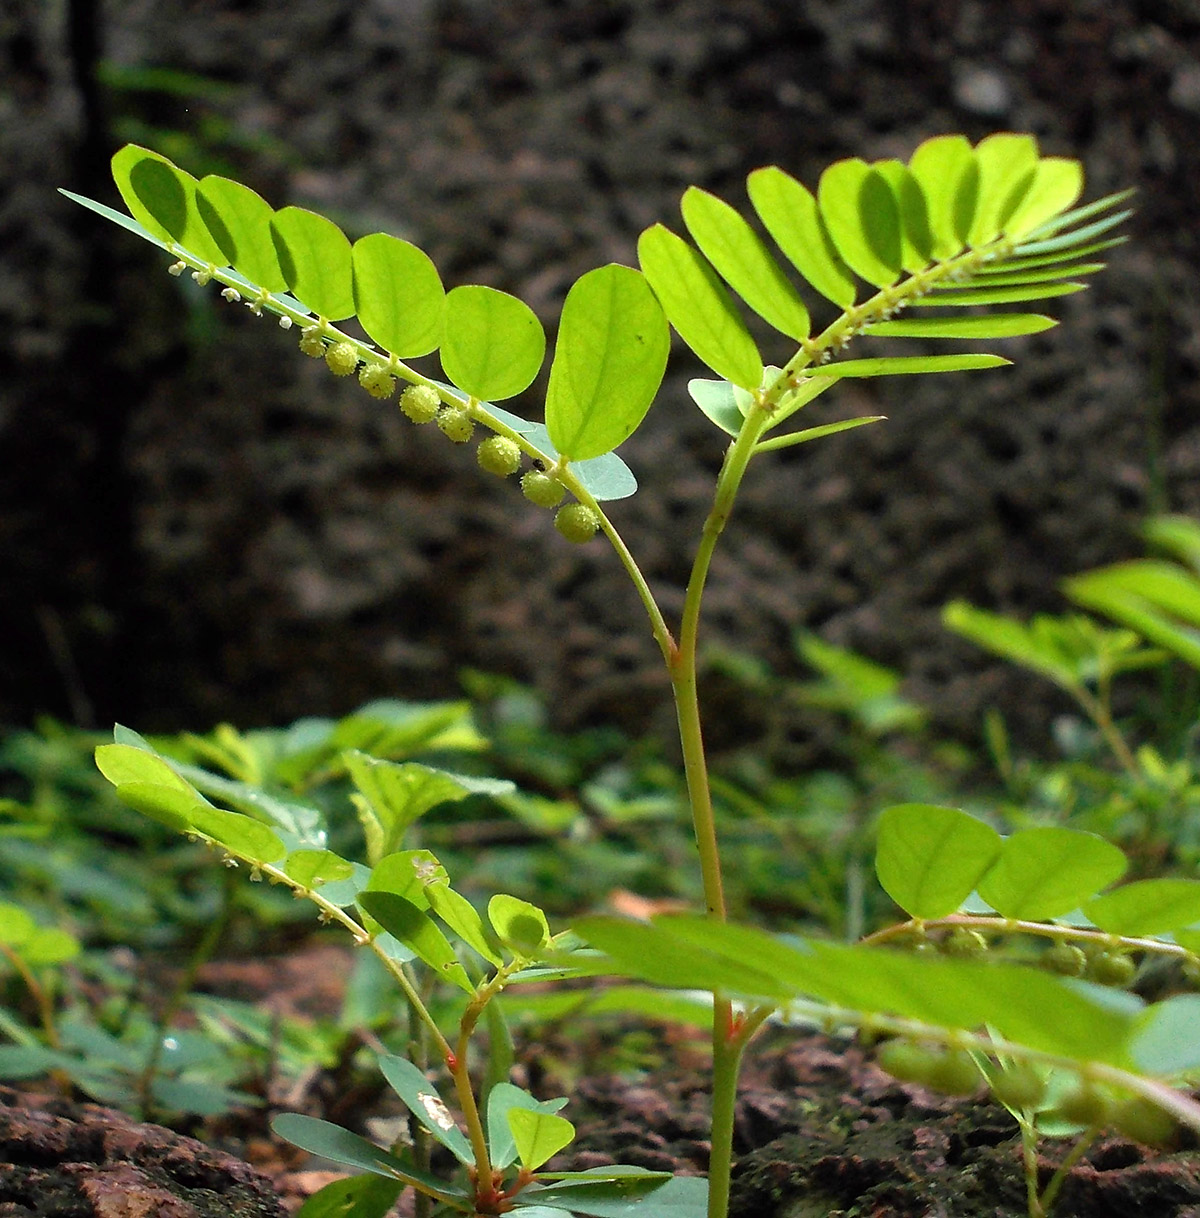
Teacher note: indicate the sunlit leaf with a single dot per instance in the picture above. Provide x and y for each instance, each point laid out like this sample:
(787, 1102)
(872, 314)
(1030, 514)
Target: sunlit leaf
(1047, 871)
(790, 214)
(609, 358)
(538, 1135)
(930, 858)
(899, 365)
(1007, 169)
(961, 297)
(521, 927)
(946, 170)
(741, 259)
(916, 239)
(863, 219)
(502, 1099)
(492, 343)
(239, 220)
(815, 433)
(1147, 907)
(994, 325)
(398, 295)
(416, 930)
(698, 305)
(314, 258)
(1057, 183)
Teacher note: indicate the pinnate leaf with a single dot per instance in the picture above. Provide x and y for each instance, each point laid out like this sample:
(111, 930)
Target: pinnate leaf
(995, 325)
(946, 171)
(930, 858)
(1047, 871)
(239, 220)
(609, 359)
(1007, 166)
(863, 219)
(698, 305)
(1147, 907)
(1057, 183)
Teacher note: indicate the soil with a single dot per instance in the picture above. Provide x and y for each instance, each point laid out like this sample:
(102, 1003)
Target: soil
(198, 524)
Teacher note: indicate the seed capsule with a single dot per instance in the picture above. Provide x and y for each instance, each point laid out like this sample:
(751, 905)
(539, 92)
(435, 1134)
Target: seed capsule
(577, 522)
(1085, 1105)
(541, 489)
(1065, 959)
(500, 456)
(1111, 968)
(377, 381)
(342, 358)
(1145, 1122)
(456, 424)
(420, 403)
(1019, 1085)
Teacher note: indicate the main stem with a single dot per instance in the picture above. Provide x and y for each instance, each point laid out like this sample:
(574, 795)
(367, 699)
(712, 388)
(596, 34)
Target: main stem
(729, 1033)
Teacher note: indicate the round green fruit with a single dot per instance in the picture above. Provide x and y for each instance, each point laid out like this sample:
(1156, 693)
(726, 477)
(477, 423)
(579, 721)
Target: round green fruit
(1019, 1086)
(964, 943)
(903, 1060)
(420, 403)
(577, 522)
(311, 342)
(541, 489)
(1065, 959)
(954, 1072)
(1085, 1105)
(456, 424)
(377, 381)
(1111, 968)
(1145, 1122)
(500, 456)
(342, 358)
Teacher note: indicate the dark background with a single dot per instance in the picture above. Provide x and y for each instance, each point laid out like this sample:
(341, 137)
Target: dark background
(197, 523)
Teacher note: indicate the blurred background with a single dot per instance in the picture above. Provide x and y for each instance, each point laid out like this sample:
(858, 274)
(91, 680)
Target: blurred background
(198, 524)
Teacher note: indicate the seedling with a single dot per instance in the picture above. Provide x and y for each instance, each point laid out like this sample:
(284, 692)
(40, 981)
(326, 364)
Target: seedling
(956, 228)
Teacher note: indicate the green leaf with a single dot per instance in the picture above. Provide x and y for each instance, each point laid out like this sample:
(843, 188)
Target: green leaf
(1007, 169)
(1147, 907)
(1057, 183)
(522, 927)
(1003, 276)
(815, 433)
(492, 343)
(398, 295)
(16, 926)
(741, 259)
(790, 214)
(401, 918)
(699, 307)
(717, 400)
(1047, 871)
(399, 793)
(48, 945)
(423, 1101)
(341, 1146)
(239, 220)
(863, 219)
(893, 365)
(126, 222)
(609, 359)
(463, 918)
(948, 174)
(503, 1099)
(162, 198)
(538, 1135)
(314, 258)
(995, 325)
(929, 859)
(1168, 1038)
(916, 239)
(1072, 239)
(622, 1196)
(971, 295)
(365, 1196)
(1011, 640)
(312, 868)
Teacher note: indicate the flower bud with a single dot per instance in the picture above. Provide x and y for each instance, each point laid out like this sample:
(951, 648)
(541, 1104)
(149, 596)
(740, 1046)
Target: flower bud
(342, 358)
(420, 403)
(377, 381)
(311, 342)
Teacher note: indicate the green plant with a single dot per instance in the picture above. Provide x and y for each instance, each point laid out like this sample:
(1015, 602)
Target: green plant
(957, 227)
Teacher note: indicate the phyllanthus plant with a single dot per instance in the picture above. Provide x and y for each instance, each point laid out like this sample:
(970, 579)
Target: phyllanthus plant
(897, 250)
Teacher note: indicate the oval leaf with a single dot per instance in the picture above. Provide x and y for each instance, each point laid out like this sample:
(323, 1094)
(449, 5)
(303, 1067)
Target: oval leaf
(790, 214)
(522, 927)
(502, 1099)
(930, 858)
(314, 257)
(1056, 184)
(423, 1101)
(716, 399)
(609, 359)
(1007, 167)
(916, 239)
(862, 216)
(741, 259)
(699, 307)
(239, 220)
(492, 343)
(403, 920)
(538, 1135)
(398, 295)
(1049, 871)
(1147, 907)
(948, 175)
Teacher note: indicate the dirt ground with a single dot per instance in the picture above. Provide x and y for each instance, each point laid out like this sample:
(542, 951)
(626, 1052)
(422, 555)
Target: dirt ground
(198, 524)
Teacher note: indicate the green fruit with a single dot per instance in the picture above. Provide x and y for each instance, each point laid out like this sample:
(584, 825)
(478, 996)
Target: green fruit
(1085, 1105)
(456, 424)
(577, 522)
(1065, 959)
(500, 456)
(964, 943)
(541, 489)
(954, 1072)
(377, 381)
(1145, 1122)
(903, 1060)
(1111, 968)
(342, 358)
(420, 403)
(311, 342)
(1018, 1085)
